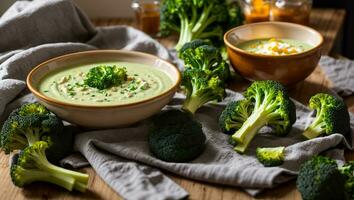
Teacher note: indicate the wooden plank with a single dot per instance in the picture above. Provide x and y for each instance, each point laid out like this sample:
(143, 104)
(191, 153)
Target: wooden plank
(327, 21)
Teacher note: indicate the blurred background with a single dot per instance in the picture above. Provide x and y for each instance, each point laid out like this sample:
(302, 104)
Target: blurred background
(122, 8)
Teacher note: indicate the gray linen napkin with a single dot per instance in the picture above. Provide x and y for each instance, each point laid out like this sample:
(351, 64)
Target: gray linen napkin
(219, 163)
(32, 32)
(341, 73)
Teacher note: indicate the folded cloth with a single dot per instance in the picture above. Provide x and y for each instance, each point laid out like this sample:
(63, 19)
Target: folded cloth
(34, 31)
(341, 74)
(108, 151)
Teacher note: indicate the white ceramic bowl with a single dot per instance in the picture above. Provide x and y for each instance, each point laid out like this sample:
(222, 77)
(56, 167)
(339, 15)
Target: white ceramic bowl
(102, 116)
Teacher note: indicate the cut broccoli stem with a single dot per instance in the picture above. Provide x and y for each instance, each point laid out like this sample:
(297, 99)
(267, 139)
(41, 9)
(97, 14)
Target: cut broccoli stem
(36, 175)
(185, 34)
(314, 130)
(203, 18)
(250, 127)
(193, 103)
(262, 114)
(316, 127)
(61, 171)
(80, 186)
(42, 163)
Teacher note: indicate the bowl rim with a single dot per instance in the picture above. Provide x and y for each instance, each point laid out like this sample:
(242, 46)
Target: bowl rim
(67, 56)
(233, 47)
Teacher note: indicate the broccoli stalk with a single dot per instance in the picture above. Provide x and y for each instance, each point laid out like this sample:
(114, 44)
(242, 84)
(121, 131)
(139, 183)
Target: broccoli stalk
(32, 165)
(331, 116)
(200, 89)
(271, 106)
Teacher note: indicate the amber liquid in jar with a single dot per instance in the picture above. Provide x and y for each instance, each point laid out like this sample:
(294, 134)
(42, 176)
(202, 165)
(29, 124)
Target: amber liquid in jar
(290, 11)
(256, 11)
(148, 17)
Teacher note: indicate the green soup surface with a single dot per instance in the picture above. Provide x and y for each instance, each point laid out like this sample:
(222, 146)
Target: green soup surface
(143, 82)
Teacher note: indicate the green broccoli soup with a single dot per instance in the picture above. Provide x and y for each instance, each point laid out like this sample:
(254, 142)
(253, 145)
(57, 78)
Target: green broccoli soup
(272, 46)
(108, 83)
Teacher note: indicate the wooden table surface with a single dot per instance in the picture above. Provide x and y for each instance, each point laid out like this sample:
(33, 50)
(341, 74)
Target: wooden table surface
(328, 22)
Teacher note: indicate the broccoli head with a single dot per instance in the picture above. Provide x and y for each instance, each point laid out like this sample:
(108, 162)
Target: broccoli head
(200, 88)
(181, 141)
(30, 109)
(104, 76)
(19, 132)
(320, 179)
(234, 115)
(348, 171)
(331, 116)
(270, 156)
(271, 107)
(199, 54)
(203, 19)
(31, 165)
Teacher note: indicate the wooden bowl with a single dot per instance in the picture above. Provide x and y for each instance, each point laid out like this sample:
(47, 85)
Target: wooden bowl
(288, 69)
(104, 116)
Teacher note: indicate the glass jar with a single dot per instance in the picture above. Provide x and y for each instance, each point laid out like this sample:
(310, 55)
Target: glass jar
(295, 11)
(256, 10)
(147, 15)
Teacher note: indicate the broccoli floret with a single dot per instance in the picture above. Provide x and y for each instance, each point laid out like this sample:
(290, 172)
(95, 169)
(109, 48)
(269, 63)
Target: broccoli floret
(348, 171)
(234, 115)
(331, 116)
(181, 141)
(320, 179)
(199, 54)
(31, 165)
(270, 156)
(203, 19)
(200, 88)
(271, 107)
(30, 109)
(104, 76)
(19, 132)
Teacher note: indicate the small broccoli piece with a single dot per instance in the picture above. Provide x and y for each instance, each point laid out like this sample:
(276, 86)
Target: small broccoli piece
(202, 19)
(320, 179)
(272, 156)
(348, 171)
(331, 116)
(30, 109)
(200, 55)
(234, 115)
(31, 165)
(200, 89)
(104, 76)
(271, 107)
(181, 141)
